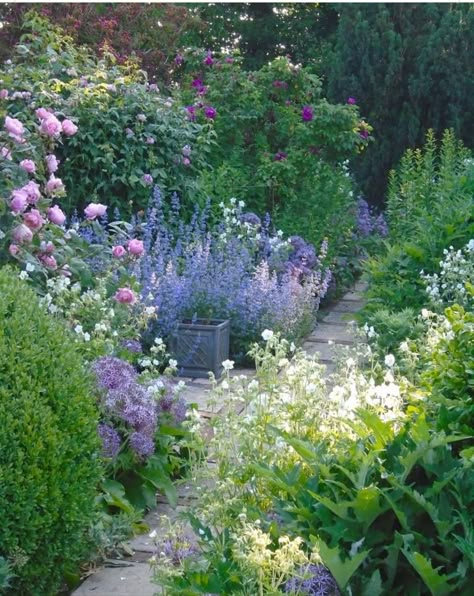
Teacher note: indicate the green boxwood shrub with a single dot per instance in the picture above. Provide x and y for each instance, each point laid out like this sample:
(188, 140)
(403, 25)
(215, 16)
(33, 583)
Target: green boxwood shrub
(49, 465)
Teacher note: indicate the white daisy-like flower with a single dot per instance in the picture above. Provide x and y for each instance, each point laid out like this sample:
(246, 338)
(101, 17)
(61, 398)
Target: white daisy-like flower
(267, 334)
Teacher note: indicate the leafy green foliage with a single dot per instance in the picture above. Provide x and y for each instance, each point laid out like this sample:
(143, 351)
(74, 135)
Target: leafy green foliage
(48, 439)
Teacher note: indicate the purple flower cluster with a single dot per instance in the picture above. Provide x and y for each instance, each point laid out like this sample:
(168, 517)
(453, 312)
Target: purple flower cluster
(369, 223)
(127, 401)
(110, 440)
(312, 580)
(307, 113)
(177, 549)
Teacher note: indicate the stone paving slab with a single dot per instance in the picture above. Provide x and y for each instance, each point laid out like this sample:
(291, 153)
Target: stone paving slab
(131, 579)
(325, 332)
(324, 350)
(352, 296)
(338, 318)
(348, 306)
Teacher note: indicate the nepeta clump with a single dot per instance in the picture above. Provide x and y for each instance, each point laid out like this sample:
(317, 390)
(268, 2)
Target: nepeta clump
(368, 222)
(234, 267)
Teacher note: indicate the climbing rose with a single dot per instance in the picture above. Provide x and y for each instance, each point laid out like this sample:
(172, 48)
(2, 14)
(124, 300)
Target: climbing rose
(125, 296)
(50, 126)
(94, 210)
(14, 127)
(186, 161)
(135, 247)
(19, 200)
(42, 113)
(13, 249)
(56, 215)
(33, 220)
(69, 128)
(28, 165)
(351, 101)
(53, 184)
(307, 113)
(33, 193)
(22, 234)
(118, 251)
(52, 163)
(49, 261)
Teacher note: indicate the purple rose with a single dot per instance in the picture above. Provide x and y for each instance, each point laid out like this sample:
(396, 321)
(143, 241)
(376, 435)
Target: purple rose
(94, 210)
(32, 190)
(210, 112)
(56, 215)
(69, 128)
(135, 247)
(186, 161)
(50, 126)
(53, 184)
(19, 200)
(13, 249)
(28, 165)
(351, 101)
(33, 220)
(118, 251)
(3, 93)
(52, 163)
(48, 261)
(42, 113)
(22, 234)
(14, 127)
(307, 113)
(125, 296)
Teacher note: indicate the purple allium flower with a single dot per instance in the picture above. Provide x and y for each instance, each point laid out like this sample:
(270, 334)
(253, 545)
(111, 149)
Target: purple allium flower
(351, 101)
(147, 179)
(210, 112)
(191, 112)
(142, 444)
(280, 156)
(132, 345)
(110, 440)
(179, 59)
(307, 113)
(112, 373)
(250, 218)
(177, 549)
(312, 580)
(178, 410)
(208, 60)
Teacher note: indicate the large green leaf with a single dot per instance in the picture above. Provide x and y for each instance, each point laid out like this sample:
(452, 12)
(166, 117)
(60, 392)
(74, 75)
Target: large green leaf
(341, 570)
(434, 581)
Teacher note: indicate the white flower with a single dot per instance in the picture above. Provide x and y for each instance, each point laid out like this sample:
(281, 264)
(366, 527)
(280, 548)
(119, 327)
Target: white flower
(404, 347)
(253, 385)
(233, 201)
(172, 363)
(87, 336)
(225, 384)
(158, 341)
(150, 310)
(389, 360)
(267, 334)
(152, 534)
(241, 204)
(30, 267)
(78, 329)
(228, 364)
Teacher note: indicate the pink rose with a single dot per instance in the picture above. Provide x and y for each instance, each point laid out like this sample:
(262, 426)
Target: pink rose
(52, 163)
(33, 192)
(4, 94)
(33, 220)
(186, 161)
(19, 200)
(47, 247)
(48, 261)
(65, 271)
(6, 153)
(53, 184)
(28, 165)
(22, 234)
(42, 113)
(14, 127)
(69, 128)
(118, 251)
(135, 247)
(13, 249)
(50, 126)
(125, 296)
(94, 210)
(56, 215)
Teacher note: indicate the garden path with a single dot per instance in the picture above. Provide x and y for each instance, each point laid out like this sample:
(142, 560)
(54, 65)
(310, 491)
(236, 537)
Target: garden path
(133, 575)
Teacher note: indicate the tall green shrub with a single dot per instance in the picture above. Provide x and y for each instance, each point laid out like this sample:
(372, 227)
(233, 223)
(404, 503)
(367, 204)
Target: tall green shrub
(49, 464)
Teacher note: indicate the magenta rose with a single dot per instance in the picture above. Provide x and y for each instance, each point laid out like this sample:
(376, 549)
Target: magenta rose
(22, 234)
(52, 163)
(42, 113)
(33, 220)
(13, 249)
(33, 193)
(50, 126)
(53, 184)
(28, 165)
(56, 215)
(118, 251)
(125, 296)
(48, 261)
(135, 247)
(69, 128)
(94, 210)
(14, 127)
(19, 200)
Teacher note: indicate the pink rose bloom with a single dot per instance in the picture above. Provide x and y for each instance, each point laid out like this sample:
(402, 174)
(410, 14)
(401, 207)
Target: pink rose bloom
(33, 192)
(13, 249)
(125, 296)
(118, 251)
(3, 93)
(6, 153)
(94, 210)
(14, 127)
(135, 247)
(52, 163)
(69, 128)
(33, 220)
(42, 113)
(186, 161)
(54, 184)
(48, 261)
(50, 126)
(65, 271)
(56, 215)
(47, 247)
(19, 200)
(28, 165)
(22, 234)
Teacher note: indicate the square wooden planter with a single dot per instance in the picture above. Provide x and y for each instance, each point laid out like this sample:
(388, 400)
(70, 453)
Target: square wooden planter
(200, 347)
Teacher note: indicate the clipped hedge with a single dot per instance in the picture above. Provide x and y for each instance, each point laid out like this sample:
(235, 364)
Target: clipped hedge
(49, 463)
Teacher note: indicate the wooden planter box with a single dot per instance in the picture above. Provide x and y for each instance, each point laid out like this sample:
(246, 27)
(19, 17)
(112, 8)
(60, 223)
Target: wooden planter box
(201, 346)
